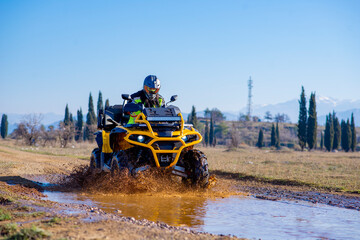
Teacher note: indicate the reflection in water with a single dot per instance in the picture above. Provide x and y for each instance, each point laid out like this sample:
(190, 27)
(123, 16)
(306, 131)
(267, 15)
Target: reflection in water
(173, 210)
(241, 216)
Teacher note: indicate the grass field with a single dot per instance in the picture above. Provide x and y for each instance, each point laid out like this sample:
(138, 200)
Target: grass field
(331, 170)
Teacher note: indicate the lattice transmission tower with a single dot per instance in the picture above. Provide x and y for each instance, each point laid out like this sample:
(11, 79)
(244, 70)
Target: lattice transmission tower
(249, 106)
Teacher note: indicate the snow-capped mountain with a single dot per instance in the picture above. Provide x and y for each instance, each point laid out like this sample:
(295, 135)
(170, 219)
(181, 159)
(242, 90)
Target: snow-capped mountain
(324, 105)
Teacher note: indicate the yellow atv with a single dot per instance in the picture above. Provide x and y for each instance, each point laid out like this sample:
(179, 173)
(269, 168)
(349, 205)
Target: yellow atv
(158, 139)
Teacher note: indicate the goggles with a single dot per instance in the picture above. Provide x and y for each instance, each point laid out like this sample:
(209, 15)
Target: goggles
(151, 90)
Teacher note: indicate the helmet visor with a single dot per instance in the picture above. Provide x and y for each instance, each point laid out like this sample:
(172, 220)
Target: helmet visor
(151, 90)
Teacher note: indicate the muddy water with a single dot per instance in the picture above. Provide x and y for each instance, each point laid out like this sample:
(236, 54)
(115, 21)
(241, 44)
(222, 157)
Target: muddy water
(241, 216)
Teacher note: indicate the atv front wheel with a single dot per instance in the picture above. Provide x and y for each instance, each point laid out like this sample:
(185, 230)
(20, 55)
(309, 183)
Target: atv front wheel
(196, 166)
(95, 159)
(114, 166)
(119, 158)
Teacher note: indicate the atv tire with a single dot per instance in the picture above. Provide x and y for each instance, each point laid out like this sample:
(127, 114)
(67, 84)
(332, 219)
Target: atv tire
(95, 159)
(114, 166)
(121, 159)
(196, 167)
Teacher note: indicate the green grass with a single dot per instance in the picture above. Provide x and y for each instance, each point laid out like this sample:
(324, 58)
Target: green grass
(4, 199)
(53, 221)
(8, 229)
(33, 214)
(25, 208)
(4, 215)
(30, 233)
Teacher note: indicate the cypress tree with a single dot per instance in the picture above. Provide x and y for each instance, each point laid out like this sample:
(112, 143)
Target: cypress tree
(4, 126)
(302, 120)
(260, 142)
(206, 133)
(344, 138)
(277, 136)
(211, 134)
(348, 136)
(329, 133)
(99, 102)
(353, 134)
(312, 122)
(79, 125)
(337, 132)
(192, 117)
(322, 141)
(273, 136)
(107, 103)
(91, 117)
(67, 116)
(71, 118)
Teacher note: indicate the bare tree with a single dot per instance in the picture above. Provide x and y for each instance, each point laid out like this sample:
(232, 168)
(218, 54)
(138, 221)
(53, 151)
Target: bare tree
(235, 136)
(65, 133)
(29, 129)
(48, 136)
(281, 118)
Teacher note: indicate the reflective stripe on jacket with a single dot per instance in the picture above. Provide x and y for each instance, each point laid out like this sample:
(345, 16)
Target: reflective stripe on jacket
(137, 100)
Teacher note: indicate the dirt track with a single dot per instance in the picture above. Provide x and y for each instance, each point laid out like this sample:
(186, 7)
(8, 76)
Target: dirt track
(18, 166)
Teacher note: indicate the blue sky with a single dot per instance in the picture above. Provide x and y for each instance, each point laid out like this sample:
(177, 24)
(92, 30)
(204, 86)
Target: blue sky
(56, 52)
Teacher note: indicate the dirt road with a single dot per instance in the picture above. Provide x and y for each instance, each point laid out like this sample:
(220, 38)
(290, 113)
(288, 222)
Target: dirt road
(25, 204)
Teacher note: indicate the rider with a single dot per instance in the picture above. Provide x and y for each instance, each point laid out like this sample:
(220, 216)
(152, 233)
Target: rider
(149, 96)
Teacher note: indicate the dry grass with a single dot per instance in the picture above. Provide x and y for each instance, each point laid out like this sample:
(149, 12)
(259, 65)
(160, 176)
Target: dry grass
(340, 171)
(80, 150)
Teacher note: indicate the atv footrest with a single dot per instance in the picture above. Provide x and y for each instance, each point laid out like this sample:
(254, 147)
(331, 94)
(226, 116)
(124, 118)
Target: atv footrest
(180, 171)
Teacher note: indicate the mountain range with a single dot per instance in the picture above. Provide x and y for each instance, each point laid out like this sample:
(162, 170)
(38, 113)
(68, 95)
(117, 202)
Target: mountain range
(324, 106)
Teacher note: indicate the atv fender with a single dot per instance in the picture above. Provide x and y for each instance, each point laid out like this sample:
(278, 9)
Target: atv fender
(117, 141)
(118, 130)
(98, 139)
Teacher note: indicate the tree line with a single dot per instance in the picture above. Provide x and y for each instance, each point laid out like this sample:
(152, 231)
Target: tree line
(70, 128)
(213, 126)
(335, 134)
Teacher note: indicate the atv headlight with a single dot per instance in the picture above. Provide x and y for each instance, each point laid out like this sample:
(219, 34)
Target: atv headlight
(190, 138)
(140, 138)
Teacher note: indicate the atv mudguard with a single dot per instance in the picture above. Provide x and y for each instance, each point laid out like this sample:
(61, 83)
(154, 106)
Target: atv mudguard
(117, 141)
(98, 139)
(103, 141)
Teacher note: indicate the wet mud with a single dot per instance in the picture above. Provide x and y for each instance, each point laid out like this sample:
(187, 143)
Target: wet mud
(152, 182)
(278, 193)
(157, 200)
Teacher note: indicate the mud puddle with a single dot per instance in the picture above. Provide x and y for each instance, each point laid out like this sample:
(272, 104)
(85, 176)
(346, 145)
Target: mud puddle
(221, 213)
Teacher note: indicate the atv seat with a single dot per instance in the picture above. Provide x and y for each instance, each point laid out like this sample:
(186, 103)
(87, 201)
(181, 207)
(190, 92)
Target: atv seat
(111, 118)
(114, 112)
